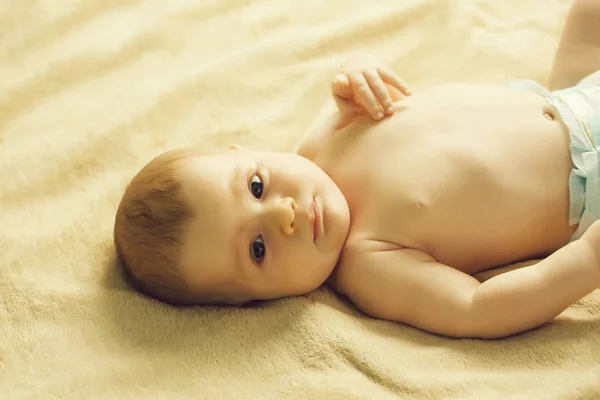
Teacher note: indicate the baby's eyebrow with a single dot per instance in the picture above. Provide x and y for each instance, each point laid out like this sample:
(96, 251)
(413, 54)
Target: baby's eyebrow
(237, 248)
(237, 236)
(234, 179)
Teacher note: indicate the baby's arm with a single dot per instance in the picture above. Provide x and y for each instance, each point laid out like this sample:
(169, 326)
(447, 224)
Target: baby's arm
(579, 51)
(409, 286)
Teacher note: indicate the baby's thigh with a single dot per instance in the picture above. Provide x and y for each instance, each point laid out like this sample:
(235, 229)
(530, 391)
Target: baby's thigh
(578, 54)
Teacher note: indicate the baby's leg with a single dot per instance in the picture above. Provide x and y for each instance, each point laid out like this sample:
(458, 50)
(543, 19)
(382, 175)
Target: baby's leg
(578, 53)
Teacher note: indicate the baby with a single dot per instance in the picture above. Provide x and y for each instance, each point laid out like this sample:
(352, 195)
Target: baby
(395, 200)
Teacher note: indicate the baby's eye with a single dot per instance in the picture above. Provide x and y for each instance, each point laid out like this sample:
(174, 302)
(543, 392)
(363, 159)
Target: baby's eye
(256, 186)
(257, 250)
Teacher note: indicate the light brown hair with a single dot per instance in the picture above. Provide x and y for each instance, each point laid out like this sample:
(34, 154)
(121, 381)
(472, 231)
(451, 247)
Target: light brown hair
(149, 226)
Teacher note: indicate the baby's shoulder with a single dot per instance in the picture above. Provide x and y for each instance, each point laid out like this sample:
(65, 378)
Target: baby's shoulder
(354, 258)
(321, 131)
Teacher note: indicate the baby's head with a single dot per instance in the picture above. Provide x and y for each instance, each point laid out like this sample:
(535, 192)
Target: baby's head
(230, 227)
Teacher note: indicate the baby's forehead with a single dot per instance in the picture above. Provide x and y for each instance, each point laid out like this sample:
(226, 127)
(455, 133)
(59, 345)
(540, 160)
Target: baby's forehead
(211, 205)
(208, 258)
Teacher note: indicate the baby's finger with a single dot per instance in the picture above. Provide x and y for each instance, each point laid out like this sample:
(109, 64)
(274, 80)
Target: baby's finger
(379, 88)
(365, 96)
(347, 106)
(341, 86)
(391, 78)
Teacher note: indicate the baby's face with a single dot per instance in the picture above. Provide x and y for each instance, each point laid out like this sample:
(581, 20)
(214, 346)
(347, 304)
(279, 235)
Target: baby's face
(268, 225)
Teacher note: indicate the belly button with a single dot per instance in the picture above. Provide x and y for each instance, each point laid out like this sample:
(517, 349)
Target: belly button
(549, 115)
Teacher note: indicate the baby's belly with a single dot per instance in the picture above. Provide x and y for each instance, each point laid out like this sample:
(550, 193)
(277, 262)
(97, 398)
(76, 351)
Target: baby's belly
(494, 227)
(488, 190)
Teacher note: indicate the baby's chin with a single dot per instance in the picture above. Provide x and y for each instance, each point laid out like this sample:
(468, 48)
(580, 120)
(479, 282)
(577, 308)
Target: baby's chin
(339, 226)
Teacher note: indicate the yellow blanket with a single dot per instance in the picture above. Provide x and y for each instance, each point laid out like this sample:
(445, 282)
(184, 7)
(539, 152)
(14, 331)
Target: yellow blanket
(91, 90)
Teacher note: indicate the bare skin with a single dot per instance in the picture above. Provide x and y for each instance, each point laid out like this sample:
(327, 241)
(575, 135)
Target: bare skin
(479, 179)
(446, 193)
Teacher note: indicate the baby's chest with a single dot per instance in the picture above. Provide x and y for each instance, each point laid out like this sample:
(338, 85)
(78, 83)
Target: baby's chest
(384, 201)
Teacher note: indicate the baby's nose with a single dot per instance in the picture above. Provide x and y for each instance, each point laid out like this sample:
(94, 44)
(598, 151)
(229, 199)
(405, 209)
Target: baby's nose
(284, 213)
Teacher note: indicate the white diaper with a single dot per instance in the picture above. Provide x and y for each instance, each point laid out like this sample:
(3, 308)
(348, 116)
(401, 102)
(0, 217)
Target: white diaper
(579, 109)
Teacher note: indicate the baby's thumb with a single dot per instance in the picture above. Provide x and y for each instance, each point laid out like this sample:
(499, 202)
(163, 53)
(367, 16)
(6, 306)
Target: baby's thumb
(341, 86)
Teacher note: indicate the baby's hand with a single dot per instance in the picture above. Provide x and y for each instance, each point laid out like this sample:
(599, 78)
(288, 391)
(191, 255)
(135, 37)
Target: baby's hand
(366, 85)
